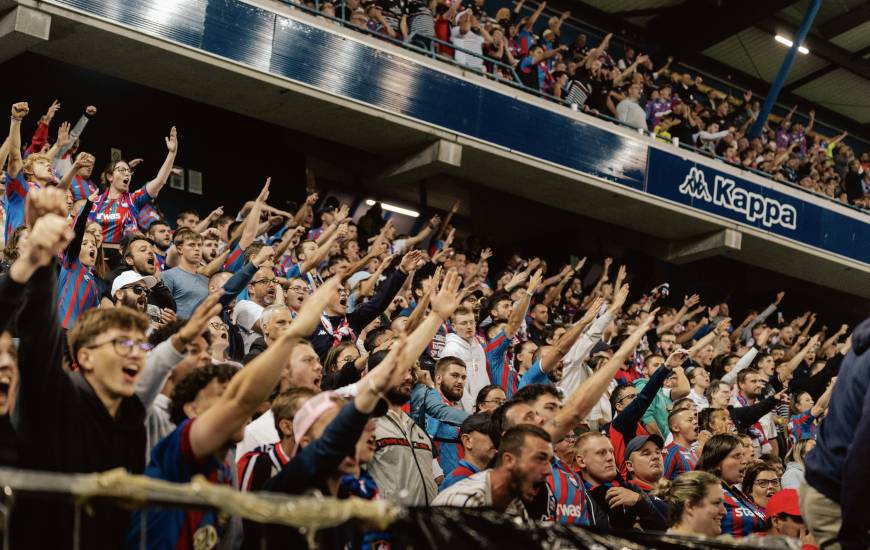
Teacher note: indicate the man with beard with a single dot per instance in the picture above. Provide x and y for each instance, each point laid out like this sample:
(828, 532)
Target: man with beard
(261, 293)
(679, 457)
(521, 469)
(337, 325)
(161, 235)
(464, 344)
(625, 503)
(402, 465)
(449, 383)
(750, 385)
(138, 255)
(129, 289)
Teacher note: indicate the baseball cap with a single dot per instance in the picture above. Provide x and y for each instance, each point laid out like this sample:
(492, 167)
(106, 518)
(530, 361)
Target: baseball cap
(636, 443)
(127, 278)
(784, 502)
(313, 409)
(330, 204)
(477, 422)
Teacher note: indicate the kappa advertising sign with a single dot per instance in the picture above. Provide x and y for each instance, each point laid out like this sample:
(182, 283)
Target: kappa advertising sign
(680, 180)
(726, 193)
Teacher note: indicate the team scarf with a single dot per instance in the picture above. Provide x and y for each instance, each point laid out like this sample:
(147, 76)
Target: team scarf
(343, 332)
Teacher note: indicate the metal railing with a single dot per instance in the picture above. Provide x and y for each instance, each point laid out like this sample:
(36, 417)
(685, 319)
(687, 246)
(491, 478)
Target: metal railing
(516, 83)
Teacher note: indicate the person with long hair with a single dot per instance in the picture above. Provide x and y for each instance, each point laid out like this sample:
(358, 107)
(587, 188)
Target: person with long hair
(793, 476)
(726, 457)
(697, 504)
(489, 398)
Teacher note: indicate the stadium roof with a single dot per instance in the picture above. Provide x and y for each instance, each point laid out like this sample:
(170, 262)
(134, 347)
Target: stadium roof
(739, 34)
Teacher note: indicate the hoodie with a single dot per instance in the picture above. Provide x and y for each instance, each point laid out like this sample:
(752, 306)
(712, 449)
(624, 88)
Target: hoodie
(826, 462)
(475, 366)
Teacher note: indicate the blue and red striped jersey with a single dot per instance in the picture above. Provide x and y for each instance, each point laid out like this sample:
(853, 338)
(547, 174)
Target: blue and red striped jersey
(77, 291)
(14, 200)
(147, 215)
(236, 259)
(172, 459)
(446, 439)
(119, 216)
(678, 459)
(741, 518)
(497, 367)
(464, 470)
(314, 234)
(82, 188)
(802, 426)
(568, 501)
(288, 268)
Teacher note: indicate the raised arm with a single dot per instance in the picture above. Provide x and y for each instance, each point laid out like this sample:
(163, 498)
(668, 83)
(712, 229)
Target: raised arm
(19, 111)
(566, 343)
(822, 404)
(530, 23)
(82, 160)
(798, 357)
(517, 315)
(579, 404)
(688, 303)
(321, 253)
(154, 186)
(252, 385)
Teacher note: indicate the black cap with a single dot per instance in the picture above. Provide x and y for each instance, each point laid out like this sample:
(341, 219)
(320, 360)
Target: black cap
(330, 204)
(639, 441)
(477, 422)
(602, 346)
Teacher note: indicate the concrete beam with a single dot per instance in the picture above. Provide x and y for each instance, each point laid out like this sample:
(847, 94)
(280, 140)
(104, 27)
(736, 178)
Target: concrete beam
(22, 28)
(714, 244)
(434, 159)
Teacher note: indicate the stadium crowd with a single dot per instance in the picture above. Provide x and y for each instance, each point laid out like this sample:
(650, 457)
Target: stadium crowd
(619, 83)
(305, 351)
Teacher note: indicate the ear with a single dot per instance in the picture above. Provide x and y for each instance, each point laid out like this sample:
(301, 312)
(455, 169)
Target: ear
(466, 440)
(286, 427)
(629, 466)
(189, 409)
(83, 358)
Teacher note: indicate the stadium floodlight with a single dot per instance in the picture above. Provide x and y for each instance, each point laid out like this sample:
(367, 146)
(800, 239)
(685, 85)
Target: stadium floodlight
(394, 208)
(786, 42)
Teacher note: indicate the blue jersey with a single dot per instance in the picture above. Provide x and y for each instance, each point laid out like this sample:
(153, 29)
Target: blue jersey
(82, 188)
(741, 518)
(236, 260)
(16, 194)
(802, 426)
(119, 216)
(77, 291)
(146, 215)
(172, 459)
(289, 269)
(446, 439)
(497, 367)
(464, 470)
(568, 501)
(678, 459)
(535, 375)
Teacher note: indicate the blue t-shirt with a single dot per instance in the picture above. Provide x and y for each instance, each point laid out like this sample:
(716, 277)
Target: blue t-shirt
(173, 460)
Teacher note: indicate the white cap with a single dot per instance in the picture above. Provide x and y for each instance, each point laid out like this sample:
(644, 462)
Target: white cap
(127, 278)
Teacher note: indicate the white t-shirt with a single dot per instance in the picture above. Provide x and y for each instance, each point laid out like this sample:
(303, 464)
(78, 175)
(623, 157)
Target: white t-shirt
(245, 315)
(475, 367)
(475, 492)
(470, 41)
(259, 432)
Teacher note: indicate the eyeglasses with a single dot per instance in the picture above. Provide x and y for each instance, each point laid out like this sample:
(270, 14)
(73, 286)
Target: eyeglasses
(125, 346)
(765, 483)
(218, 326)
(123, 170)
(498, 402)
(298, 289)
(267, 281)
(138, 290)
(624, 397)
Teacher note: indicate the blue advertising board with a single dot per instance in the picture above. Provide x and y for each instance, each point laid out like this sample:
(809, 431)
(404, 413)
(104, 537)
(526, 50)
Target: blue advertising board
(677, 179)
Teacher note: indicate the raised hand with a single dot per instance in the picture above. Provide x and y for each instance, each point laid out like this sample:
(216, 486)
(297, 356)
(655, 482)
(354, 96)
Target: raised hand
(412, 261)
(448, 298)
(41, 202)
(20, 110)
(264, 192)
(90, 110)
(580, 264)
(779, 296)
(592, 310)
(63, 138)
(52, 110)
(312, 308)
(485, 254)
(198, 322)
(264, 256)
(691, 301)
(172, 140)
(342, 213)
(216, 213)
(435, 221)
(535, 281)
(619, 298)
(311, 199)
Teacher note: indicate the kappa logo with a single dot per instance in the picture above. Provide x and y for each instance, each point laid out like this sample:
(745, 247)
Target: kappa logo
(727, 194)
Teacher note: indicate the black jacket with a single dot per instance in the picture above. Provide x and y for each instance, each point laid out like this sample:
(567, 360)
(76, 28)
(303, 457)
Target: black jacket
(623, 518)
(63, 426)
(322, 341)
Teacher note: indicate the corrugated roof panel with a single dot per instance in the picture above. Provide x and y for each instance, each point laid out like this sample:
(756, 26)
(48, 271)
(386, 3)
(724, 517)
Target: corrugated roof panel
(854, 39)
(828, 11)
(756, 53)
(851, 98)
